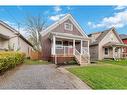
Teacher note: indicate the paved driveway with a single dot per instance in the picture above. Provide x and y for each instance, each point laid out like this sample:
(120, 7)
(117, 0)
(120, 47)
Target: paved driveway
(35, 77)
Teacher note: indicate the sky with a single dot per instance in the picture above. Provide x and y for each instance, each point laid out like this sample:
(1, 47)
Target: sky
(90, 18)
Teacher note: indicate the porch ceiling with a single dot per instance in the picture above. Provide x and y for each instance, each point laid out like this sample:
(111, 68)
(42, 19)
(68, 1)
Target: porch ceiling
(114, 44)
(4, 37)
(67, 36)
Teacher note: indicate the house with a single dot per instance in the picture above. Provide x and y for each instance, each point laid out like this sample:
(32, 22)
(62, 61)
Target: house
(124, 39)
(11, 39)
(105, 44)
(64, 41)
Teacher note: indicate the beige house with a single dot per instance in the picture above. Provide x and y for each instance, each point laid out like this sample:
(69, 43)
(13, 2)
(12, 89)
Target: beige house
(105, 44)
(12, 39)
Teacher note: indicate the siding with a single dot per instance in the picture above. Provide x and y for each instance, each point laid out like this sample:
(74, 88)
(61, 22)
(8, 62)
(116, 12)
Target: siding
(46, 48)
(61, 29)
(94, 52)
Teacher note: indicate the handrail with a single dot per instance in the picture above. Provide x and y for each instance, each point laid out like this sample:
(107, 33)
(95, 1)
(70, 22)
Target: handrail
(76, 51)
(85, 52)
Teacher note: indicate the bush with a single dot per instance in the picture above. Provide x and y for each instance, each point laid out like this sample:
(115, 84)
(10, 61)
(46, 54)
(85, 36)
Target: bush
(10, 60)
(72, 62)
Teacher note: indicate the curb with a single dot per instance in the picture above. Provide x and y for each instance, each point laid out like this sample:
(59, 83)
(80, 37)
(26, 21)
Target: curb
(79, 84)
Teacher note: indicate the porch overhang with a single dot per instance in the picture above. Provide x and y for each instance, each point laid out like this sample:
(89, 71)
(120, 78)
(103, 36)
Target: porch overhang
(114, 44)
(4, 36)
(67, 36)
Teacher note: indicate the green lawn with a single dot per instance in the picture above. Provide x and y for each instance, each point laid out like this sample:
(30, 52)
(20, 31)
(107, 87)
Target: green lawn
(30, 62)
(117, 62)
(106, 75)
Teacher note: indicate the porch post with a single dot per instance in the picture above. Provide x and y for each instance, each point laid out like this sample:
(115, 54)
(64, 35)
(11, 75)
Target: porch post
(54, 45)
(81, 47)
(113, 52)
(73, 46)
(88, 47)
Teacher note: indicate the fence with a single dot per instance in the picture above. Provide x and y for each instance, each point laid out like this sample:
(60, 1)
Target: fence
(35, 55)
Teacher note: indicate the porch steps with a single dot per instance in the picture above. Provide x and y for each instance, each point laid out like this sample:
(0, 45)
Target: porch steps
(83, 61)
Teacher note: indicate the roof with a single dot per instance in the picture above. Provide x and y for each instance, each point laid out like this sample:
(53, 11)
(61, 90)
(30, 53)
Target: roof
(111, 44)
(15, 31)
(67, 16)
(123, 36)
(102, 35)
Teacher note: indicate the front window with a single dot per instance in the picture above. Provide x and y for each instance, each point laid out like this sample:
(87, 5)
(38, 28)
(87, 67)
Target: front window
(59, 44)
(68, 26)
(106, 51)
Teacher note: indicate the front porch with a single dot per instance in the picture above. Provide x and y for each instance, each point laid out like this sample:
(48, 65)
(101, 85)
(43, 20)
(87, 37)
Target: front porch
(114, 51)
(66, 48)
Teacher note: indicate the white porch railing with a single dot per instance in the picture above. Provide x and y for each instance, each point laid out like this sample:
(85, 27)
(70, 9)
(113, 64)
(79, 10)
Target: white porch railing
(77, 56)
(86, 55)
(123, 55)
(64, 50)
(81, 58)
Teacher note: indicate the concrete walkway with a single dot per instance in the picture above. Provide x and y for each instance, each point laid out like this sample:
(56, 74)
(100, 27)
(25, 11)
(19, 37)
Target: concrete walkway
(38, 77)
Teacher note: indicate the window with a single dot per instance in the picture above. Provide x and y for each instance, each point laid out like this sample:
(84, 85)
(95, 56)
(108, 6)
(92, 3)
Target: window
(59, 44)
(116, 49)
(106, 51)
(68, 26)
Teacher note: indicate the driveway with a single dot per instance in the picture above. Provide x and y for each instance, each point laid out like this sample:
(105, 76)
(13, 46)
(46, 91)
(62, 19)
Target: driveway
(36, 77)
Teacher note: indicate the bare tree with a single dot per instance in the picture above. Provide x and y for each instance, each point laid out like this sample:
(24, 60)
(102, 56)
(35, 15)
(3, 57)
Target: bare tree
(35, 25)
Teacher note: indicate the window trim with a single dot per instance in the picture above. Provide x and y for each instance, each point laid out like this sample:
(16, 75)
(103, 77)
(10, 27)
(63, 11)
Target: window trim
(67, 28)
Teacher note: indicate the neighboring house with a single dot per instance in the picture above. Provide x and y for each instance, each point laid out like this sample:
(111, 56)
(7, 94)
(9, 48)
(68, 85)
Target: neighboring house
(12, 39)
(105, 44)
(65, 40)
(124, 39)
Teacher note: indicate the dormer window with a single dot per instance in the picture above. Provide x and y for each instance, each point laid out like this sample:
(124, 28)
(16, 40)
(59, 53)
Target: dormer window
(68, 26)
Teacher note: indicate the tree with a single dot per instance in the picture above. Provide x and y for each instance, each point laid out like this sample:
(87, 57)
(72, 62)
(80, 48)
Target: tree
(34, 26)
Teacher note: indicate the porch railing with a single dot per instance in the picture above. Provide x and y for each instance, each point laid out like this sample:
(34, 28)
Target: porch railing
(77, 56)
(64, 50)
(81, 58)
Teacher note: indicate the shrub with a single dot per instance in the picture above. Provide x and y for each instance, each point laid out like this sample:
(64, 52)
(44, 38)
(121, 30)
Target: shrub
(72, 62)
(10, 60)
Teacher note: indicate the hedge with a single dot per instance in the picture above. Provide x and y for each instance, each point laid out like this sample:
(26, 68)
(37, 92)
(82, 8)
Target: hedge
(9, 60)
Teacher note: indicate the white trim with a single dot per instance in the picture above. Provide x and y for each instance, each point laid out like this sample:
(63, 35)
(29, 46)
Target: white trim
(68, 16)
(74, 46)
(69, 36)
(88, 47)
(81, 47)
(54, 45)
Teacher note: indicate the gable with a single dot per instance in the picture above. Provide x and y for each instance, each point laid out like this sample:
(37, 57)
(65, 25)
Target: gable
(111, 36)
(58, 24)
(6, 31)
(61, 28)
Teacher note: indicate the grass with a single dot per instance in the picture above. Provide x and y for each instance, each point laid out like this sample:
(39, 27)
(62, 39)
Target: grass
(35, 62)
(106, 75)
(117, 62)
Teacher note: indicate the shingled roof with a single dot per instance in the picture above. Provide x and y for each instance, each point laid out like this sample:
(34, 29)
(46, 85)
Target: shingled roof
(101, 36)
(123, 36)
